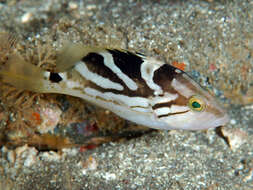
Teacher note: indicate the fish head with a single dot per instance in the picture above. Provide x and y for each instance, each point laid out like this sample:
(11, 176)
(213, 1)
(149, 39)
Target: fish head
(193, 108)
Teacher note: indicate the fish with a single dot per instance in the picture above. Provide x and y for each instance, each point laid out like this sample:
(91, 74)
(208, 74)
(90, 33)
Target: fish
(136, 87)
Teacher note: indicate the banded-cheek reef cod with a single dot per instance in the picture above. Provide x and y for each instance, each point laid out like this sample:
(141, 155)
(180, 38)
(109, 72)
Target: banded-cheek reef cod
(135, 87)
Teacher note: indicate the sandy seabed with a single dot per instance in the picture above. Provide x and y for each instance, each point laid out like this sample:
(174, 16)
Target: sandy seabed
(212, 38)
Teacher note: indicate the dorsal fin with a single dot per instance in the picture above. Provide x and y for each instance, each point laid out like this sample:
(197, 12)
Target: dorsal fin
(71, 53)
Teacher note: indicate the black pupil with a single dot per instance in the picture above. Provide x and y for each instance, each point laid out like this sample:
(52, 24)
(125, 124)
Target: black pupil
(196, 105)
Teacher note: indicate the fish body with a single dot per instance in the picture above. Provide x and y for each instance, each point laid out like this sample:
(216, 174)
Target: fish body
(137, 88)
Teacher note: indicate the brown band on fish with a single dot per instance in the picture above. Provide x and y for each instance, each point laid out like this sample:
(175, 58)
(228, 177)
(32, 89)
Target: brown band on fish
(95, 64)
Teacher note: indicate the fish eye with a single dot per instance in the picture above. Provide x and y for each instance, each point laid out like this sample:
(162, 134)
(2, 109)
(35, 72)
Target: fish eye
(196, 103)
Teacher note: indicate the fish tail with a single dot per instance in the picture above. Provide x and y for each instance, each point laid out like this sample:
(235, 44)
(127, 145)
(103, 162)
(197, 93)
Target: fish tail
(14, 70)
(24, 75)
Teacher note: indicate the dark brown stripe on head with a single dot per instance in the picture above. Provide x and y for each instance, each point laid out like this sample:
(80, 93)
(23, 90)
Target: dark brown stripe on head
(180, 101)
(169, 114)
(163, 77)
(164, 104)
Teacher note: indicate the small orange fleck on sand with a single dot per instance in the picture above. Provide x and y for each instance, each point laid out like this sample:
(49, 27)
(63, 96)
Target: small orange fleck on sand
(212, 67)
(179, 65)
(87, 147)
(36, 117)
(90, 158)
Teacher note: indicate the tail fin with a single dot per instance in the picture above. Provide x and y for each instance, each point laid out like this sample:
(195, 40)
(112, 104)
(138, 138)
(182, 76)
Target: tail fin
(14, 70)
(22, 75)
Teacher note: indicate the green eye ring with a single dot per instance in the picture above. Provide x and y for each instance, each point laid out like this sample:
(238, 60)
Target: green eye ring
(196, 103)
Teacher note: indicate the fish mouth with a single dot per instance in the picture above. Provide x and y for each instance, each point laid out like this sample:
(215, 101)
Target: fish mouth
(220, 121)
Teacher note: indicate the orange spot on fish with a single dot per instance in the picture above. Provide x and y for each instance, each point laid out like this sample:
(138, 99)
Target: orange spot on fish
(179, 65)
